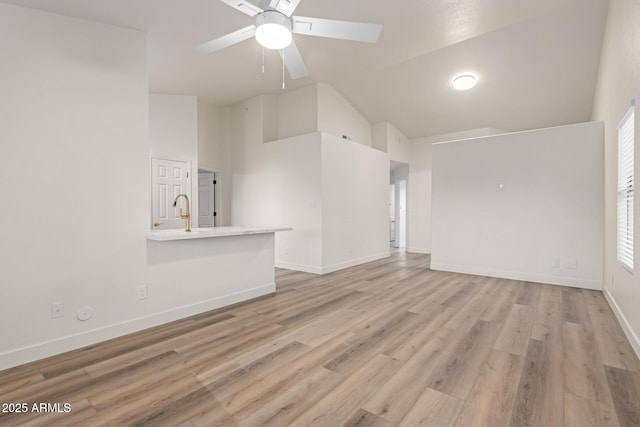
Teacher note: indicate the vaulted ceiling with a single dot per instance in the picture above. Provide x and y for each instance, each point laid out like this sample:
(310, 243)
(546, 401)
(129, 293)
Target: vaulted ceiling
(537, 61)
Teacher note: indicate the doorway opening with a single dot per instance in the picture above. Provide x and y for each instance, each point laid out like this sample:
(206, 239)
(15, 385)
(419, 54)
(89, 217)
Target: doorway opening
(392, 215)
(207, 198)
(398, 205)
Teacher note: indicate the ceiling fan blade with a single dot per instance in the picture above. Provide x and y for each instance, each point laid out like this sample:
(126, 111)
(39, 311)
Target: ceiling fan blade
(228, 40)
(293, 61)
(243, 6)
(284, 6)
(345, 30)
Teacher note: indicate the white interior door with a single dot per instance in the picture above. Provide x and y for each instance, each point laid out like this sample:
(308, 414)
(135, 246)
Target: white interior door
(168, 179)
(206, 199)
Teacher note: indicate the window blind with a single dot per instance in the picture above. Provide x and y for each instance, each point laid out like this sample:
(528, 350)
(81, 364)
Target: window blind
(625, 190)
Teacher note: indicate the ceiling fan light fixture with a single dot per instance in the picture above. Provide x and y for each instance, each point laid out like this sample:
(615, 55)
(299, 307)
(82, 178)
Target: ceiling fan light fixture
(464, 81)
(273, 30)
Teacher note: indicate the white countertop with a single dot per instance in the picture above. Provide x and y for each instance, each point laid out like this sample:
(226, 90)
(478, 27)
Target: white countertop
(202, 233)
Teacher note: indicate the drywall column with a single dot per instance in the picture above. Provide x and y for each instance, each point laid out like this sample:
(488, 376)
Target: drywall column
(355, 203)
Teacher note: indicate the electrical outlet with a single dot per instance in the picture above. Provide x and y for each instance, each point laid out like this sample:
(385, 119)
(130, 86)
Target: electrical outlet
(142, 292)
(57, 310)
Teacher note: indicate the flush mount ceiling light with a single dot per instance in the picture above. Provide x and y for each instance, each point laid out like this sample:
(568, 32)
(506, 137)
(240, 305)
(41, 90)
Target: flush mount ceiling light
(464, 81)
(273, 30)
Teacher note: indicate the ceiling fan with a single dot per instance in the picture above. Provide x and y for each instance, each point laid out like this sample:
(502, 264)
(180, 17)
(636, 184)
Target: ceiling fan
(274, 26)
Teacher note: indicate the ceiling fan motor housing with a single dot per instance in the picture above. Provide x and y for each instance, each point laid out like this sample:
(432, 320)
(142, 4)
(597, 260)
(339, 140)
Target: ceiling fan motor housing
(273, 29)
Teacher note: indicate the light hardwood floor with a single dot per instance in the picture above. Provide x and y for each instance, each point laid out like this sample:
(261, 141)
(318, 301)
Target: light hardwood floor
(388, 343)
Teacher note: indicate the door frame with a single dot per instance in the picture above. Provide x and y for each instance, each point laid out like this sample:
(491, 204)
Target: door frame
(401, 219)
(218, 191)
(189, 185)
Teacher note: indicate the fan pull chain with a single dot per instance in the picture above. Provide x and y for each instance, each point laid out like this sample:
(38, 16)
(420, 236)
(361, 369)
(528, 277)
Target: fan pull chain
(283, 85)
(262, 59)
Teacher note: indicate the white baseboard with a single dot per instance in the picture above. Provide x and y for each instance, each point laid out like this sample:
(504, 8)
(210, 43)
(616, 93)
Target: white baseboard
(573, 282)
(622, 319)
(56, 346)
(333, 267)
(299, 267)
(415, 250)
(353, 262)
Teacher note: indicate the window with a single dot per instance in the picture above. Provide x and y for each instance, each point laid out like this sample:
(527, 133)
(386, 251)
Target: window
(625, 190)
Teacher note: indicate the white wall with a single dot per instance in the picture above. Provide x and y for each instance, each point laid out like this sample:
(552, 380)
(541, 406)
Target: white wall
(379, 136)
(173, 135)
(214, 154)
(419, 232)
(338, 117)
(419, 213)
(318, 107)
(386, 137)
(277, 184)
(245, 136)
(355, 203)
(74, 145)
(74, 108)
(332, 192)
(618, 83)
(188, 277)
(550, 206)
(211, 145)
(173, 126)
(291, 182)
(297, 112)
(281, 187)
(398, 145)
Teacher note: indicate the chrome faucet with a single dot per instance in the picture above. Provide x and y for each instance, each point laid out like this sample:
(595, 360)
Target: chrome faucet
(187, 215)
